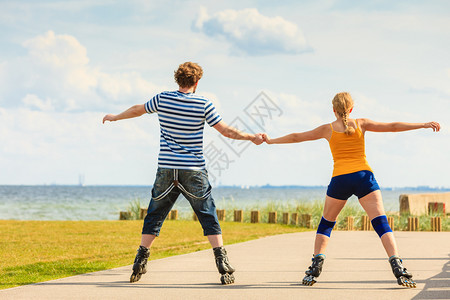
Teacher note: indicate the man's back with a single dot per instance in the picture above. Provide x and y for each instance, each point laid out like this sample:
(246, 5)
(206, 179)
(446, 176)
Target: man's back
(182, 118)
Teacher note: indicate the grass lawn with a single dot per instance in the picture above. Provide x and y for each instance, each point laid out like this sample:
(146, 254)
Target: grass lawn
(36, 251)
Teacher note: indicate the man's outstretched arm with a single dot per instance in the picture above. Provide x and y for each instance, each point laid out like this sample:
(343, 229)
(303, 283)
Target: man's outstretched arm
(235, 134)
(133, 112)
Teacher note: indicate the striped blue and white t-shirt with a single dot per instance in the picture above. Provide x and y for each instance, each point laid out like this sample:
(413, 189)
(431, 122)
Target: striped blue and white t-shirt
(182, 119)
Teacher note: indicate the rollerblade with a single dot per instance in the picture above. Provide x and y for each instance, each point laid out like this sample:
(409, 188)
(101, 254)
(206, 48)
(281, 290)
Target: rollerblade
(314, 270)
(403, 276)
(140, 263)
(223, 265)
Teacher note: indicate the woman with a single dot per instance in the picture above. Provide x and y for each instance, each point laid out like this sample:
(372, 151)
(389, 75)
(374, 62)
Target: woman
(352, 175)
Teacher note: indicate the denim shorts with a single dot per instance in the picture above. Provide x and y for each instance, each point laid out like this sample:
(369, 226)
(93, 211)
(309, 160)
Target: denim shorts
(195, 187)
(359, 183)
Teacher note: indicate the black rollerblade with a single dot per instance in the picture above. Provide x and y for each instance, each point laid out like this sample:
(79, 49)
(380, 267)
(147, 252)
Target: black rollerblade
(403, 276)
(314, 270)
(140, 263)
(223, 265)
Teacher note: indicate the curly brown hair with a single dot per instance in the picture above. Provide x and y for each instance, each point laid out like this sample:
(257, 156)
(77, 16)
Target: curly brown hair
(188, 74)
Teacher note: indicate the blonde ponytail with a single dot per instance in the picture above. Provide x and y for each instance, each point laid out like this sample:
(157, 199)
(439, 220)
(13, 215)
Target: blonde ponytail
(349, 130)
(342, 104)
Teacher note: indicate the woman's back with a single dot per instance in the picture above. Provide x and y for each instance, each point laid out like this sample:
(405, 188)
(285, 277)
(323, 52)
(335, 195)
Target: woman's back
(348, 150)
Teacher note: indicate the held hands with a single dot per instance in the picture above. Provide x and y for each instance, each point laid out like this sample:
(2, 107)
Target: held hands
(257, 139)
(266, 138)
(262, 137)
(433, 125)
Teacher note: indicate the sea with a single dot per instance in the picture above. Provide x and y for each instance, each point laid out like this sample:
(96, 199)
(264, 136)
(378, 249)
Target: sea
(58, 202)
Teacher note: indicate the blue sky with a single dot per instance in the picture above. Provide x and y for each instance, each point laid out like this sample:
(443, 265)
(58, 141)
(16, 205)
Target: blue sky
(64, 64)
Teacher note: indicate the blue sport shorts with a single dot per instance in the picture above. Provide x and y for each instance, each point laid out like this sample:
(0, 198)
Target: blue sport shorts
(359, 184)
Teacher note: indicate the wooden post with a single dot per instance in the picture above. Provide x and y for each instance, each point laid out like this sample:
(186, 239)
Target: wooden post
(306, 220)
(413, 224)
(286, 218)
(173, 214)
(439, 223)
(124, 215)
(273, 217)
(142, 213)
(410, 224)
(391, 222)
(254, 216)
(365, 223)
(194, 217)
(350, 222)
(221, 214)
(436, 224)
(294, 218)
(239, 215)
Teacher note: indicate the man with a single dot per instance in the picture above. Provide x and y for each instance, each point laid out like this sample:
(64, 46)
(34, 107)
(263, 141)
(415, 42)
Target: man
(181, 165)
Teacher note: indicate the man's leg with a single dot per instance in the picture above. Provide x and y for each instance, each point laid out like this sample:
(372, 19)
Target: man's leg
(206, 213)
(156, 214)
(141, 259)
(197, 189)
(222, 262)
(215, 240)
(147, 240)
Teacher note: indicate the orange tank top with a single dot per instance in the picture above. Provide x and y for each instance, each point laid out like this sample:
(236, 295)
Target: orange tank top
(348, 152)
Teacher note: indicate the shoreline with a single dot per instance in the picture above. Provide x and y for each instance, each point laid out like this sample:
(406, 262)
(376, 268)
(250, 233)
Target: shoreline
(105, 202)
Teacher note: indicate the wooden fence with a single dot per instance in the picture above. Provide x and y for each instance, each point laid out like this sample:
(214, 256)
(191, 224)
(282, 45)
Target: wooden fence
(302, 220)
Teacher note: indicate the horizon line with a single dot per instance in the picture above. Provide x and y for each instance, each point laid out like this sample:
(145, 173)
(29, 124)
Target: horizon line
(418, 187)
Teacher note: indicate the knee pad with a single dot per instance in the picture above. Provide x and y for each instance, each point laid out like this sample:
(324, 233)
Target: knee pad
(325, 227)
(381, 225)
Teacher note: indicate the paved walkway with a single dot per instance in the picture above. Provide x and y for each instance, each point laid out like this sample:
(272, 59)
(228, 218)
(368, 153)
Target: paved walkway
(272, 268)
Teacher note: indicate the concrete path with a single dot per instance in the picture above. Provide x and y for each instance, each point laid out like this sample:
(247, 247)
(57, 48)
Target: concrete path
(272, 268)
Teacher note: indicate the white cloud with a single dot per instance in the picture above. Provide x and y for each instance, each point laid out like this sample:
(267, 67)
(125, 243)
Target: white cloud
(301, 115)
(57, 50)
(252, 33)
(372, 108)
(34, 102)
(41, 144)
(56, 68)
(393, 63)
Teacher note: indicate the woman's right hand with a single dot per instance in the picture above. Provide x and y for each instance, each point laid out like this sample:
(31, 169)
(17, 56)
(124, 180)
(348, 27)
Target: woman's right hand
(266, 138)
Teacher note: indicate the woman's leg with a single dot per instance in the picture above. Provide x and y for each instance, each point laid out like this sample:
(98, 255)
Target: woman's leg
(373, 205)
(331, 210)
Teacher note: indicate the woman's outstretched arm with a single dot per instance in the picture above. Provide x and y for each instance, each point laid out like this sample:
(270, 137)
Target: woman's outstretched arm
(320, 132)
(369, 125)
